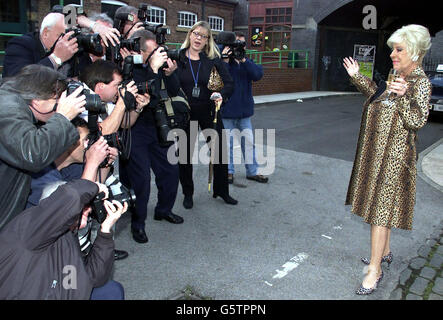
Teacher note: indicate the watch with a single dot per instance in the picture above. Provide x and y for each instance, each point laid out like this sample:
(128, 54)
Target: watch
(57, 60)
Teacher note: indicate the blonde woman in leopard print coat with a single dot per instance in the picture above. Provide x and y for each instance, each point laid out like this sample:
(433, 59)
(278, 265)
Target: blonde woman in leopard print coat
(382, 185)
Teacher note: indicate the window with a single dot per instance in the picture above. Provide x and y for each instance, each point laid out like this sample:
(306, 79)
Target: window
(278, 15)
(216, 23)
(157, 15)
(66, 2)
(110, 6)
(186, 19)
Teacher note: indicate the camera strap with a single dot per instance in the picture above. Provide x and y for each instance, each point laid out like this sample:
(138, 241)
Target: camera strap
(128, 99)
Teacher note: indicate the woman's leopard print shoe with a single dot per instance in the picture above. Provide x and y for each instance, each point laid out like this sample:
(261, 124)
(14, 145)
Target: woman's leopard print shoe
(365, 291)
(387, 258)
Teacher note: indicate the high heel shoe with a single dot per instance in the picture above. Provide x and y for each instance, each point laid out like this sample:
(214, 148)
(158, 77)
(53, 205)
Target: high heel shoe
(387, 258)
(226, 198)
(365, 291)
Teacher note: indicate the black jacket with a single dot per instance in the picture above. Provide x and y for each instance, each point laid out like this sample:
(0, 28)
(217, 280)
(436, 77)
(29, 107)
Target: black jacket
(26, 148)
(40, 257)
(203, 78)
(23, 51)
(172, 85)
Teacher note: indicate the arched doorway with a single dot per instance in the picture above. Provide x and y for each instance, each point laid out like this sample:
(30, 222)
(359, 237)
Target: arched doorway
(340, 29)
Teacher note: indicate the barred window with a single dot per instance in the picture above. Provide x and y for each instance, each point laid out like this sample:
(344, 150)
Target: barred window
(157, 15)
(216, 23)
(186, 19)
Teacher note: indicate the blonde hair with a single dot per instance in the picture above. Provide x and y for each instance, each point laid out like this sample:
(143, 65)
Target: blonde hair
(416, 38)
(210, 48)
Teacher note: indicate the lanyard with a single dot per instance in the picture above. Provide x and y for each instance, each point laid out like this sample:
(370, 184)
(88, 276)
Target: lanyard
(192, 71)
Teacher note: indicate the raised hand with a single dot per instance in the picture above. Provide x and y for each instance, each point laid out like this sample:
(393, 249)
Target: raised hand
(351, 66)
(72, 105)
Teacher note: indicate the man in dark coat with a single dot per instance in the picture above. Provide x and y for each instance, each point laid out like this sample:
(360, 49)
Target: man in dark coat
(37, 48)
(35, 129)
(40, 255)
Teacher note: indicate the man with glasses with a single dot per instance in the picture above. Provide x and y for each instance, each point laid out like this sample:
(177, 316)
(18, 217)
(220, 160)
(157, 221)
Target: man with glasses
(35, 129)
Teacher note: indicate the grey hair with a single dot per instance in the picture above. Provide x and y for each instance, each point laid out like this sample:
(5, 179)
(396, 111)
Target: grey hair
(50, 20)
(50, 188)
(101, 17)
(416, 38)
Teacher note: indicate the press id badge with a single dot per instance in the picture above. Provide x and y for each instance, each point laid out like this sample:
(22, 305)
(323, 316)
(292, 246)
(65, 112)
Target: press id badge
(196, 92)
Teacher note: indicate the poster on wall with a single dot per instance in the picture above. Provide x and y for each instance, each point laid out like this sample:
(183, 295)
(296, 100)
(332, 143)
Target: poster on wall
(257, 37)
(365, 55)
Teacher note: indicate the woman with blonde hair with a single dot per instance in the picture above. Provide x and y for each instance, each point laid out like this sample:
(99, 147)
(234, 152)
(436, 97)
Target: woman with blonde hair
(382, 185)
(198, 56)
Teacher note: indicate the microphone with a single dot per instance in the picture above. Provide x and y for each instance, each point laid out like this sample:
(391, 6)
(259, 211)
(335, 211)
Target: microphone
(226, 38)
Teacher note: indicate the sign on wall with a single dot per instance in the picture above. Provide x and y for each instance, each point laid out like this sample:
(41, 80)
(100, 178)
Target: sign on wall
(365, 55)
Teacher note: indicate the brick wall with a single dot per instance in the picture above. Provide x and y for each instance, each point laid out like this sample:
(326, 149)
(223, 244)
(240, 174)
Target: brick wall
(276, 81)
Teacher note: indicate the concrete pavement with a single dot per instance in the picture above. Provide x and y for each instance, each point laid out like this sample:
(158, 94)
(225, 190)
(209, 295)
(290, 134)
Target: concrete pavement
(285, 239)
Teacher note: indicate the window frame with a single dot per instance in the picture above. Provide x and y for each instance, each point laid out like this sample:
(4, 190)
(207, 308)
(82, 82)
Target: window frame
(189, 13)
(217, 18)
(157, 9)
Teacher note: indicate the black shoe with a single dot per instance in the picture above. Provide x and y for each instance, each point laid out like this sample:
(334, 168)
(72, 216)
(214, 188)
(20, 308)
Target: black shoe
(170, 217)
(258, 178)
(226, 198)
(139, 235)
(120, 254)
(188, 203)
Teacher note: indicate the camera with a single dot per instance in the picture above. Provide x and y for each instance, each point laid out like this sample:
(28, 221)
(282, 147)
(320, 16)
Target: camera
(93, 102)
(113, 53)
(228, 39)
(89, 42)
(117, 191)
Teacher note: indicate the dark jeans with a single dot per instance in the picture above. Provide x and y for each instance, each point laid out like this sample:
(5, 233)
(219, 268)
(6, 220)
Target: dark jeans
(112, 290)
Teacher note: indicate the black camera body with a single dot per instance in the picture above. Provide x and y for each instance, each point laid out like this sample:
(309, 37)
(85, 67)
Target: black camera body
(117, 191)
(93, 102)
(228, 39)
(89, 42)
(113, 53)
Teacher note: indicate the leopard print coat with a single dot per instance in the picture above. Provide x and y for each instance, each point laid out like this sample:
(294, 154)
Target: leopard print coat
(382, 184)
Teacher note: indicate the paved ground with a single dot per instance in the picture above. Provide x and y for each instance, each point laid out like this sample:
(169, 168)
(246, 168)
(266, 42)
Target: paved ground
(290, 239)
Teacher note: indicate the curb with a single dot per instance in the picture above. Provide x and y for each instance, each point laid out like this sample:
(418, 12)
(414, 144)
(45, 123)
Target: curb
(423, 278)
(420, 172)
(289, 100)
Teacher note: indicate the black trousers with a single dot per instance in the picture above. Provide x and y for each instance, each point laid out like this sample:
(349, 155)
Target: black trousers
(147, 154)
(204, 116)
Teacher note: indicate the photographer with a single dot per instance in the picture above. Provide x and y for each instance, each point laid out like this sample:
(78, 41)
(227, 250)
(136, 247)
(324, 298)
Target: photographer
(104, 78)
(146, 151)
(237, 112)
(52, 46)
(78, 161)
(127, 22)
(88, 58)
(39, 253)
(49, 47)
(35, 129)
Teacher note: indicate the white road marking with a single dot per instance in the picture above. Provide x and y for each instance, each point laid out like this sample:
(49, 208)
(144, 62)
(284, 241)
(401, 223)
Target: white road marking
(327, 237)
(293, 263)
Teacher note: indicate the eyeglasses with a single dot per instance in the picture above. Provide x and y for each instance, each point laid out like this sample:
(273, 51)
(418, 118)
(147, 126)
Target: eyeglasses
(199, 35)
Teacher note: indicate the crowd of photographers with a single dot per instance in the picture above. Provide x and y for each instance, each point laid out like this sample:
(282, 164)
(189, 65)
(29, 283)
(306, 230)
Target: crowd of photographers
(85, 115)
